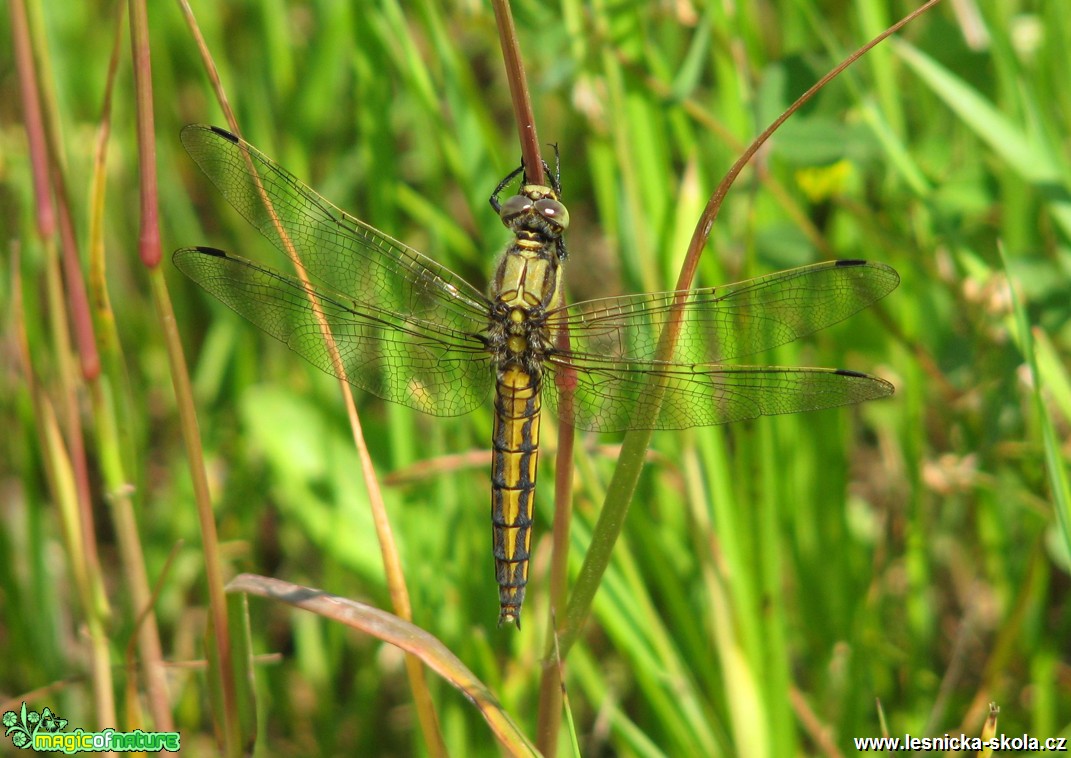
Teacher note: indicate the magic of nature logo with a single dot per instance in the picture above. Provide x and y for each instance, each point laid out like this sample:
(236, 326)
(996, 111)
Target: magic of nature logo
(44, 732)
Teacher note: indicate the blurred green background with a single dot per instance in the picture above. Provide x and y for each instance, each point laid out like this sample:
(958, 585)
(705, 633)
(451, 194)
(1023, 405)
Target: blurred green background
(775, 579)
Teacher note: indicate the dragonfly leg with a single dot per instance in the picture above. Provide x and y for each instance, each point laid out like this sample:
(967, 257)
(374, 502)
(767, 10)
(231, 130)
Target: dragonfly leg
(502, 185)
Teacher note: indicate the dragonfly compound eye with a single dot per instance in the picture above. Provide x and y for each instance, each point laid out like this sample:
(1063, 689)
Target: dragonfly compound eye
(514, 207)
(554, 211)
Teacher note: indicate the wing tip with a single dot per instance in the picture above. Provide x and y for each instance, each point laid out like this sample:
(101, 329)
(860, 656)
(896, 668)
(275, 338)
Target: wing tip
(184, 254)
(849, 372)
(886, 388)
(213, 251)
(893, 277)
(190, 129)
(224, 134)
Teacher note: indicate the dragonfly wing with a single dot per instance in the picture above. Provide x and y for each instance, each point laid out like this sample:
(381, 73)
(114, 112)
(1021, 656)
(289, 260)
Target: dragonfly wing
(722, 323)
(337, 250)
(418, 363)
(614, 396)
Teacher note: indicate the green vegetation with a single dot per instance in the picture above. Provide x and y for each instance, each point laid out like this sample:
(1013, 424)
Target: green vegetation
(775, 580)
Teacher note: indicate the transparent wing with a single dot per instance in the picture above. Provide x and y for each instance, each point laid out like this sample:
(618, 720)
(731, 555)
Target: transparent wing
(414, 362)
(612, 363)
(735, 320)
(338, 251)
(615, 397)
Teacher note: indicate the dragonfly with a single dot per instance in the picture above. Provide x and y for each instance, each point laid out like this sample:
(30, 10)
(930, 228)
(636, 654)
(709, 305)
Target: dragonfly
(392, 322)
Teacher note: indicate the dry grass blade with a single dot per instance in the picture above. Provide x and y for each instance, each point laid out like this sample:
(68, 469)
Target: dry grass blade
(400, 633)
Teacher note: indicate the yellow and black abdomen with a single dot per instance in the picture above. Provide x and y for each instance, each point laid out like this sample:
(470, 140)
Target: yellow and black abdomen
(515, 453)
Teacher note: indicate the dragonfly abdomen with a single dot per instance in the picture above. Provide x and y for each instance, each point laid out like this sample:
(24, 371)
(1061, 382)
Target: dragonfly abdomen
(515, 454)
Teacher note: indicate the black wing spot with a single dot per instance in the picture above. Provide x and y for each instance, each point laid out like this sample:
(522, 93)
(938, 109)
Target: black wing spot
(851, 262)
(224, 134)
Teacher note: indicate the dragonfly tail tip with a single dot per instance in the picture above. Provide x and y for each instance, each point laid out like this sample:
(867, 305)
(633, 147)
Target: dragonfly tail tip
(509, 614)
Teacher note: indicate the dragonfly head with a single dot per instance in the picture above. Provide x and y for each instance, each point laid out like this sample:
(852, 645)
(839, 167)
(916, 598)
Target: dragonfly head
(535, 209)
